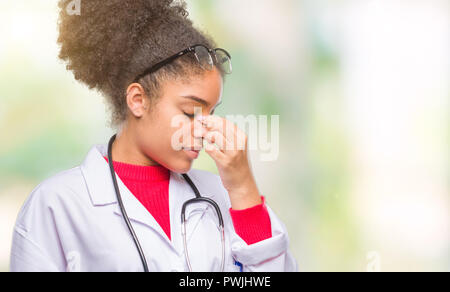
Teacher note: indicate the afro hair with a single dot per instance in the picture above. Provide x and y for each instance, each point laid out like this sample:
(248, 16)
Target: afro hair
(110, 42)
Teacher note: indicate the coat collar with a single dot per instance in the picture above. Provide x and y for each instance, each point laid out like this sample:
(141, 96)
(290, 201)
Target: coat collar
(98, 179)
(97, 175)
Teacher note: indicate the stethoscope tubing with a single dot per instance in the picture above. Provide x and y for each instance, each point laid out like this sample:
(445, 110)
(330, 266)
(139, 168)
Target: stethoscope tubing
(122, 207)
(198, 198)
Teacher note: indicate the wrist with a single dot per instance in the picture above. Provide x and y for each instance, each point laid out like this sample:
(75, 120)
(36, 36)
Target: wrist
(245, 197)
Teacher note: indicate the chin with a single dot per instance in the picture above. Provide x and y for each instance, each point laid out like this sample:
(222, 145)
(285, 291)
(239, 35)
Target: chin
(182, 167)
(182, 170)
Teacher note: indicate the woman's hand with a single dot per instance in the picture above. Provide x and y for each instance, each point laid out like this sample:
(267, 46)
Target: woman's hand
(231, 159)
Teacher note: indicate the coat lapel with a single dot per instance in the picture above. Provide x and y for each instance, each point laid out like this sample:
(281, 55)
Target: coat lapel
(101, 191)
(181, 192)
(137, 212)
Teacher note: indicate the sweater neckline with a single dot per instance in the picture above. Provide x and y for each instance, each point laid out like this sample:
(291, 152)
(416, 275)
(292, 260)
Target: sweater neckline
(153, 173)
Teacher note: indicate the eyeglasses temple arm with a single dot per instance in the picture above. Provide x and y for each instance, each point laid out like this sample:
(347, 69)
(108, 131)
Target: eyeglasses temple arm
(159, 65)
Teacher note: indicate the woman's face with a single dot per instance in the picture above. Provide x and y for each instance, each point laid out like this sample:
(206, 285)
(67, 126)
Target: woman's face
(155, 129)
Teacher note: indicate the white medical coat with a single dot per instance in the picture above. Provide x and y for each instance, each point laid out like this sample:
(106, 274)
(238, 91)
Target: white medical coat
(72, 222)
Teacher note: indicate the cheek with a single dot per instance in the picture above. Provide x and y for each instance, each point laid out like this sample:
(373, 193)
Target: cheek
(164, 124)
(159, 134)
(181, 134)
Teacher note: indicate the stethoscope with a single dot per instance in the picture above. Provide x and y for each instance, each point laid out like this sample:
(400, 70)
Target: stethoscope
(198, 198)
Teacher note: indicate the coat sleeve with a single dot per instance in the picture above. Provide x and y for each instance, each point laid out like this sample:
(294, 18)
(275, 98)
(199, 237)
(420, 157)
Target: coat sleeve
(269, 255)
(35, 245)
(27, 256)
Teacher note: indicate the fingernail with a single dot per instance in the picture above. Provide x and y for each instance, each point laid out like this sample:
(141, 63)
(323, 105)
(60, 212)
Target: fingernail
(209, 146)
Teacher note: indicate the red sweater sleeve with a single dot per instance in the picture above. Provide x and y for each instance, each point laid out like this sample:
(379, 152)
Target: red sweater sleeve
(252, 224)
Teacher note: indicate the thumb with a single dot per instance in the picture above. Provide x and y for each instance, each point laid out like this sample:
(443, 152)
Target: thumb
(215, 153)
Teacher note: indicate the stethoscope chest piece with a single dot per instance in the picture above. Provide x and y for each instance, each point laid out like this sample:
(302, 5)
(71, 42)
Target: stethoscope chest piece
(198, 199)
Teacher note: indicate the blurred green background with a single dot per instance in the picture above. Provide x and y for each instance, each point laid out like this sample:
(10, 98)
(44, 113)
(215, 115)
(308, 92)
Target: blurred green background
(362, 90)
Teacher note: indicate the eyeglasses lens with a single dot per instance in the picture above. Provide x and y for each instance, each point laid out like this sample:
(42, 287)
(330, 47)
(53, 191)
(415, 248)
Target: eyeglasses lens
(204, 58)
(224, 61)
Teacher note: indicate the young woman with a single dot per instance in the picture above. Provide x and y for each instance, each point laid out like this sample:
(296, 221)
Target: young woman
(121, 209)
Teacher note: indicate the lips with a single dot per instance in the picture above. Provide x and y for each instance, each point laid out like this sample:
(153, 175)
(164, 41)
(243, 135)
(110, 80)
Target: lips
(192, 153)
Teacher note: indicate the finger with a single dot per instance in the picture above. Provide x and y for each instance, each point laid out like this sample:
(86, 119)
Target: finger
(240, 140)
(199, 130)
(215, 153)
(215, 137)
(216, 123)
(228, 129)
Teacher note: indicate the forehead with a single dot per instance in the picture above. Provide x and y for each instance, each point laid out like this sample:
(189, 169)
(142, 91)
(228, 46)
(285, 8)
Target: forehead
(205, 89)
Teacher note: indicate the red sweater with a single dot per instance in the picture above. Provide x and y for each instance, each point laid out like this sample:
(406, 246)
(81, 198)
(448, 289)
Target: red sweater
(150, 185)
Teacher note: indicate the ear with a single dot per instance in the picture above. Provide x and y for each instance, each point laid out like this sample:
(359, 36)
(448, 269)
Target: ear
(137, 100)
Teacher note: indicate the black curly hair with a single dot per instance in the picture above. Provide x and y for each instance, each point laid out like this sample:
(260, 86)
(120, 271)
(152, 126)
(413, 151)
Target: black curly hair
(113, 41)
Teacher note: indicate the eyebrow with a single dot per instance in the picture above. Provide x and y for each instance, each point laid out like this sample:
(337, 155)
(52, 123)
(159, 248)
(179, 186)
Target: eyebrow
(202, 101)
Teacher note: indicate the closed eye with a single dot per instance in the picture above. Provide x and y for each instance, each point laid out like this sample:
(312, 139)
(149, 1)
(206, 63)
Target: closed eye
(189, 115)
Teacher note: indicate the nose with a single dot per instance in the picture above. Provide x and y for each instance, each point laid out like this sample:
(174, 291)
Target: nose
(198, 131)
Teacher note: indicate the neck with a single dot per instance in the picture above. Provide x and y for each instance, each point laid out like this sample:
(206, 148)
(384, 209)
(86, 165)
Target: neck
(126, 150)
